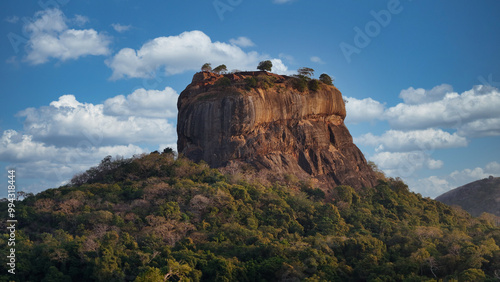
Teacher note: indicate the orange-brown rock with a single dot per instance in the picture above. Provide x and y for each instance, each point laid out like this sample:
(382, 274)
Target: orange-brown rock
(274, 128)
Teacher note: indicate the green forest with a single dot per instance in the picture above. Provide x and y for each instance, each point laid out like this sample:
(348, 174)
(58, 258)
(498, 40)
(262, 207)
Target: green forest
(159, 217)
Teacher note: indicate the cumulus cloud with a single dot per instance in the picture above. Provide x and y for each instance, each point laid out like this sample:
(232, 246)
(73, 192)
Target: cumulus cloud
(414, 96)
(51, 165)
(180, 53)
(429, 120)
(405, 164)
(481, 128)
(242, 42)
(469, 175)
(317, 60)
(404, 141)
(120, 28)
(473, 113)
(68, 136)
(478, 106)
(280, 68)
(67, 121)
(50, 37)
(21, 148)
(363, 110)
(434, 186)
(144, 103)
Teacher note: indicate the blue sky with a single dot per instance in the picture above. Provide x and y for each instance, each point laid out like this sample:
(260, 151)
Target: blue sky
(85, 79)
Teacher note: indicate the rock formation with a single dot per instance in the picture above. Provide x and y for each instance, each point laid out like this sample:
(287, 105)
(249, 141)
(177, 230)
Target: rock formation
(224, 119)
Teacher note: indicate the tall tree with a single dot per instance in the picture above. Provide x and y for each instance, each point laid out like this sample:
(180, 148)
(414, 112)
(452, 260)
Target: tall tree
(265, 65)
(326, 79)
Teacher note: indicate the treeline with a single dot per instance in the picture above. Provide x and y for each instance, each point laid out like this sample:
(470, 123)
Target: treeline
(301, 81)
(159, 217)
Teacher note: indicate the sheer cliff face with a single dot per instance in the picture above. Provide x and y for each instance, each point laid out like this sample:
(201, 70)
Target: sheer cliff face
(278, 129)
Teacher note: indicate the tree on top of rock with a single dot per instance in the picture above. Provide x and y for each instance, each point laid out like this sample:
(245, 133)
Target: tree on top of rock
(206, 67)
(265, 65)
(326, 79)
(219, 69)
(308, 72)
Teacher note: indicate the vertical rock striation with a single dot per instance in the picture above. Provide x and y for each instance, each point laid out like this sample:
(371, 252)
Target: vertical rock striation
(274, 128)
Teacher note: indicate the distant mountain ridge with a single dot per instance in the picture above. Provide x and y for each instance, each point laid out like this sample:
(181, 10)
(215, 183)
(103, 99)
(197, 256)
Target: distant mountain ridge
(476, 197)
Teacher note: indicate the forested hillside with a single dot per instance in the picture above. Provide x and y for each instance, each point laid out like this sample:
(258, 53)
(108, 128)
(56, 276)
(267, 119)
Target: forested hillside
(157, 217)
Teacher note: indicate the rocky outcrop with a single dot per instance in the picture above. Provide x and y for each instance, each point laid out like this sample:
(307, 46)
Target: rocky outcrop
(272, 127)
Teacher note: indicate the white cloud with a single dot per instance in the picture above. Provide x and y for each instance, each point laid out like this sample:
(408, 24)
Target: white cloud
(144, 103)
(242, 42)
(47, 21)
(21, 148)
(401, 141)
(429, 120)
(473, 112)
(434, 186)
(68, 136)
(405, 164)
(50, 165)
(363, 110)
(468, 175)
(480, 128)
(176, 54)
(414, 96)
(280, 68)
(316, 59)
(435, 164)
(67, 122)
(121, 28)
(492, 168)
(50, 37)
